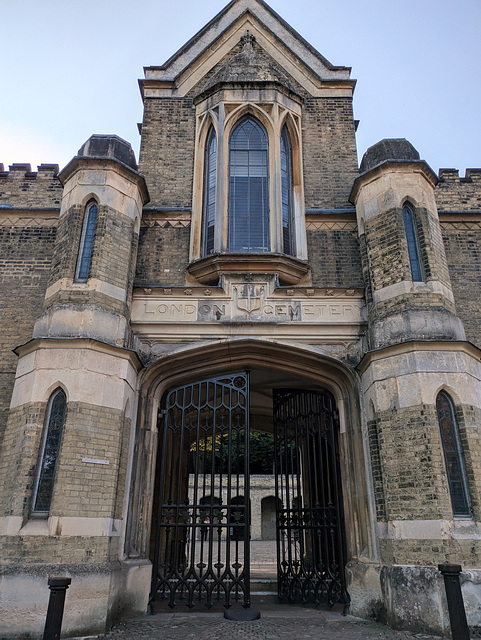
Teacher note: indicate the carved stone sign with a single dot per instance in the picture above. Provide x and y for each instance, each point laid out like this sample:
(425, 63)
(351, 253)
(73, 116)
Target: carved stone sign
(248, 302)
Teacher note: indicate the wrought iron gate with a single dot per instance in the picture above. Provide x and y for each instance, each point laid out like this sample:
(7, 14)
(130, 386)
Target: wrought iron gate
(310, 529)
(202, 534)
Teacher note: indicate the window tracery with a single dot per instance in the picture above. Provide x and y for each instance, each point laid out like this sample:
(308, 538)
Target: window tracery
(248, 209)
(248, 201)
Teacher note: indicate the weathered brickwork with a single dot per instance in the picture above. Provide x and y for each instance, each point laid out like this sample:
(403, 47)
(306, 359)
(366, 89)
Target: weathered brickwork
(387, 250)
(407, 460)
(334, 258)
(81, 299)
(387, 255)
(463, 252)
(22, 187)
(329, 152)
(376, 466)
(427, 552)
(25, 259)
(167, 151)
(469, 420)
(431, 247)
(412, 465)
(112, 248)
(122, 468)
(458, 194)
(55, 549)
(86, 489)
(81, 489)
(411, 302)
(18, 458)
(163, 256)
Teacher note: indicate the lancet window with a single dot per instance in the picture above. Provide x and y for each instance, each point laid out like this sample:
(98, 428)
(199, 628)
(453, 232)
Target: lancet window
(84, 260)
(453, 456)
(50, 447)
(413, 243)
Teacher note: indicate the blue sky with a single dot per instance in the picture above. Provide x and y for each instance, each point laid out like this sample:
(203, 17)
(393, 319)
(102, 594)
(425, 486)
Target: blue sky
(70, 68)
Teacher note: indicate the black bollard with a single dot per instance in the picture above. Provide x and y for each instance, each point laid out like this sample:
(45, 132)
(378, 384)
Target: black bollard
(53, 624)
(457, 614)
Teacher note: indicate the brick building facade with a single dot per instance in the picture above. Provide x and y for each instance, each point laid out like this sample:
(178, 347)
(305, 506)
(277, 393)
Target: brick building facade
(246, 239)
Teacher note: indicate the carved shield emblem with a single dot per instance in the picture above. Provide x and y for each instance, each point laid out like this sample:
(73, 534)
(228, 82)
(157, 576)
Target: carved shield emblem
(248, 297)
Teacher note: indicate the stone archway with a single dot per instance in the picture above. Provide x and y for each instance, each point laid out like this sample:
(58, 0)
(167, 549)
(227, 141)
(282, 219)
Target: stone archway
(271, 367)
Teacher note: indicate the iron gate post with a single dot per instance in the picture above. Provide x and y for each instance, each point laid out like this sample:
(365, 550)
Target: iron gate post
(53, 624)
(457, 613)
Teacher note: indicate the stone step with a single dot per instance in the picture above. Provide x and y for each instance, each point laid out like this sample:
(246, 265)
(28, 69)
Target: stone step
(263, 586)
(264, 591)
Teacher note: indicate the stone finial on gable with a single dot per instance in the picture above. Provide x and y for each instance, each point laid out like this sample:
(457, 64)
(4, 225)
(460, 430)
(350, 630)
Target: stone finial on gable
(247, 39)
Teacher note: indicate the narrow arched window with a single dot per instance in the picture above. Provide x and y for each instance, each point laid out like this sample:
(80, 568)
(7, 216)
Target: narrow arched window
(87, 242)
(49, 450)
(210, 173)
(453, 456)
(413, 244)
(286, 184)
(248, 220)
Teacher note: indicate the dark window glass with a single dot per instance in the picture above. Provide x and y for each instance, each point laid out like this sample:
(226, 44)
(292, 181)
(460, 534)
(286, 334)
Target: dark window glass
(87, 242)
(49, 453)
(209, 193)
(248, 224)
(413, 246)
(453, 456)
(286, 182)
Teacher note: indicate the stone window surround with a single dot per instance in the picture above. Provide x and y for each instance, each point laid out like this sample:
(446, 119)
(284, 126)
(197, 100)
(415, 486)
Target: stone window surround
(83, 248)
(223, 110)
(59, 391)
(414, 249)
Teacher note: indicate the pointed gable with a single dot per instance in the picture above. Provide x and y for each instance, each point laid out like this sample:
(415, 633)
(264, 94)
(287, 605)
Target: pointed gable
(293, 55)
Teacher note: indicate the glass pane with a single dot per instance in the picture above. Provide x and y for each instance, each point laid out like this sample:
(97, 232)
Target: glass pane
(248, 222)
(210, 180)
(87, 244)
(286, 180)
(458, 485)
(48, 464)
(411, 236)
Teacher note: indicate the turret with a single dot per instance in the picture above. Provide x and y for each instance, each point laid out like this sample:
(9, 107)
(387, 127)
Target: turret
(404, 262)
(94, 258)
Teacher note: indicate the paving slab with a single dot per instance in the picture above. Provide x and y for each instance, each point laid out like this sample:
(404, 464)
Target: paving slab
(297, 623)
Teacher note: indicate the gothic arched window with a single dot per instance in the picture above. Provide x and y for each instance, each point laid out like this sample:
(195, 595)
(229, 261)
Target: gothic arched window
(208, 209)
(248, 217)
(413, 244)
(87, 242)
(286, 183)
(453, 456)
(49, 450)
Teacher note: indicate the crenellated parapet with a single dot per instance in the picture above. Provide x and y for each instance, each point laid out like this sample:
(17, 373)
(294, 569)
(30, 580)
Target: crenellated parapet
(22, 188)
(455, 193)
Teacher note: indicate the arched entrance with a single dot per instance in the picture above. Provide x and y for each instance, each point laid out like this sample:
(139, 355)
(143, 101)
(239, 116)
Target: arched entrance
(202, 503)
